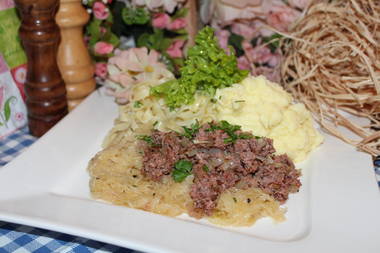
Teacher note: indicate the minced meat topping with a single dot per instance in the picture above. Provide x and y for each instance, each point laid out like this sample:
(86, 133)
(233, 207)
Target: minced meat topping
(220, 156)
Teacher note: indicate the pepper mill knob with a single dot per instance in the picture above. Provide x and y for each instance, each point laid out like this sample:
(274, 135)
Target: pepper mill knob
(44, 87)
(73, 58)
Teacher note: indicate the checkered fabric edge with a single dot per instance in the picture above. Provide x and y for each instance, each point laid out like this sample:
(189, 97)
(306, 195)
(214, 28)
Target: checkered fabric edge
(17, 238)
(12, 145)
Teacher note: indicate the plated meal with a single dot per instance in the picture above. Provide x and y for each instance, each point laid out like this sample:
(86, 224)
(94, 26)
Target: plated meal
(215, 143)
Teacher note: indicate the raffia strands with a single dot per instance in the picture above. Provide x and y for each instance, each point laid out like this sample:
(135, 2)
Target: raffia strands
(332, 64)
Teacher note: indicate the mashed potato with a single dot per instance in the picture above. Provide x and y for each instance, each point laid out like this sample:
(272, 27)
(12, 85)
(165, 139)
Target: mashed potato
(266, 109)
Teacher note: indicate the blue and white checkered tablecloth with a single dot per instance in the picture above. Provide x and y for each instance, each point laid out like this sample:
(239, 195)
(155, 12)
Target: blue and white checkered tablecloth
(18, 238)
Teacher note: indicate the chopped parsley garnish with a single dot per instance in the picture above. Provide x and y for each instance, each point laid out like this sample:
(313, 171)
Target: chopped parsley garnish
(231, 131)
(191, 131)
(239, 101)
(155, 123)
(137, 104)
(205, 168)
(182, 169)
(148, 139)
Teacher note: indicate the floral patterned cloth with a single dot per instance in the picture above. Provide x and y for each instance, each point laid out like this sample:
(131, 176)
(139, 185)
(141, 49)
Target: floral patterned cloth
(12, 107)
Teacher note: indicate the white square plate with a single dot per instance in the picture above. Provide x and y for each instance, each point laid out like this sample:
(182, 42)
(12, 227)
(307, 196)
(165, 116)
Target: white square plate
(337, 209)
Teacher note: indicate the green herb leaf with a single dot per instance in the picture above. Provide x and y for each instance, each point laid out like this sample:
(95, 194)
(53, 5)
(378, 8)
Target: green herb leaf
(245, 136)
(137, 104)
(205, 168)
(230, 130)
(182, 169)
(206, 69)
(148, 139)
(191, 131)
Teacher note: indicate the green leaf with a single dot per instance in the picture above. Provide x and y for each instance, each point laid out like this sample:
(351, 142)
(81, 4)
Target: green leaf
(180, 13)
(109, 19)
(137, 104)
(230, 130)
(151, 41)
(93, 29)
(181, 31)
(190, 132)
(148, 139)
(178, 62)
(7, 107)
(236, 41)
(182, 169)
(135, 16)
(274, 41)
(114, 40)
(143, 40)
(165, 44)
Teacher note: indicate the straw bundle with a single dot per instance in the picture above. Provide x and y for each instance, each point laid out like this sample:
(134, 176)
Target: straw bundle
(332, 64)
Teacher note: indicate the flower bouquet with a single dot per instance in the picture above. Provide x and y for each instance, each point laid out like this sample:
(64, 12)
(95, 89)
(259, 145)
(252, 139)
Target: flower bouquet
(253, 29)
(159, 25)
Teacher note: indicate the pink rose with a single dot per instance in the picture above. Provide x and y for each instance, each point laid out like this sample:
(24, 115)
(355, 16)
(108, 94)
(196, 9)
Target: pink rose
(274, 60)
(160, 20)
(245, 30)
(223, 36)
(103, 47)
(100, 10)
(282, 16)
(301, 4)
(177, 24)
(101, 70)
(243, 62)
(272, 74)
(259, 54)
(175, 49)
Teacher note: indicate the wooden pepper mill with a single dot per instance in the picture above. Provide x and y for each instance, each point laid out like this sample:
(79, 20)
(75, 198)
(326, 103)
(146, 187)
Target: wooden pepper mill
(44, 87)
(73, 58)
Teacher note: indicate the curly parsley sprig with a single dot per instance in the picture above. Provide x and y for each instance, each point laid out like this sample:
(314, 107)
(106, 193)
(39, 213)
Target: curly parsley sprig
(206, 69)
